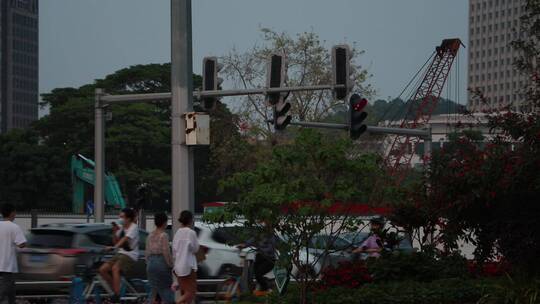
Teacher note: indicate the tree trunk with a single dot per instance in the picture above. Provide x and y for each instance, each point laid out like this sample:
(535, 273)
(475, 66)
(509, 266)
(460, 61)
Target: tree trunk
(303, 291)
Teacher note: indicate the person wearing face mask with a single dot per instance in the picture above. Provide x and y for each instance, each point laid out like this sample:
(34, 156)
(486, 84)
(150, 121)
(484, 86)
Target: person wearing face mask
(126, 241)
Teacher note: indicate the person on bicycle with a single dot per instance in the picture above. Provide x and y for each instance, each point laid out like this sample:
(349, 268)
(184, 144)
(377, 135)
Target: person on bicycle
(126, 240)
(373, 245)
(265, 258)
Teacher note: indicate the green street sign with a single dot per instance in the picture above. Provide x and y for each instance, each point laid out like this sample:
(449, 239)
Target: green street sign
(282, 278)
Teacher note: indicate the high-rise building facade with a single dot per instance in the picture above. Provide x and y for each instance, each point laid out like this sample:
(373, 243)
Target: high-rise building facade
(493, 25)
(18, 63)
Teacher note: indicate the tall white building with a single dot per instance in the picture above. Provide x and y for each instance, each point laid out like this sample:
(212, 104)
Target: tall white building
(493, 25)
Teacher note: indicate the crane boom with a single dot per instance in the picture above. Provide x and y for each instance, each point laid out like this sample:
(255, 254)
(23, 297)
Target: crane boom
(427, 96)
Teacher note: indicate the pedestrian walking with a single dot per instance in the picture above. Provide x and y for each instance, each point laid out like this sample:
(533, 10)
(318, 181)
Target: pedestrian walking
(185, 247)
(159, 261)
(265, 258)
(11, 238)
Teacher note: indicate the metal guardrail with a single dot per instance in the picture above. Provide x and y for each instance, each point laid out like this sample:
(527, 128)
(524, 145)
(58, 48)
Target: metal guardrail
(30, 283)
(200, 282)
(41, 283)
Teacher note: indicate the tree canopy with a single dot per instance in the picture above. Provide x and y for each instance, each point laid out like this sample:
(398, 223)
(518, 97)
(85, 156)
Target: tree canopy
(137, 143)
(308, 63)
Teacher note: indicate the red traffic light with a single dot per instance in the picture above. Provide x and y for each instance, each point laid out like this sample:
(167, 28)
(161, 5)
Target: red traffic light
(357, 115)
(360, 105)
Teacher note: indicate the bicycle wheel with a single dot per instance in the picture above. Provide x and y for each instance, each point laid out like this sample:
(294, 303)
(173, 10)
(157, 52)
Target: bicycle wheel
(228, 290)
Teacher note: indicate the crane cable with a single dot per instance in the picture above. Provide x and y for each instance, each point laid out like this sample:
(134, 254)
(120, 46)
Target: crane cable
(383, 116)
(411, 103)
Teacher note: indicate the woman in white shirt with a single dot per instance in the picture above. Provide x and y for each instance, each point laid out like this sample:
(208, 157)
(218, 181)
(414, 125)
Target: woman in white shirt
(185, 246)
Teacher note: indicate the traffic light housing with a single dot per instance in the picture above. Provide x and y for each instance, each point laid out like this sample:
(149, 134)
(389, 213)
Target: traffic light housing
(342, 71)
(357, 115)
(275, 77)
(211, 81)
(281, 117)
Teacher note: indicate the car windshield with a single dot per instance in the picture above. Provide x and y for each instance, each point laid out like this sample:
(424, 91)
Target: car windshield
(355, 238)
(101, 237)
(329, 242)
(233, 234)
(50, 239)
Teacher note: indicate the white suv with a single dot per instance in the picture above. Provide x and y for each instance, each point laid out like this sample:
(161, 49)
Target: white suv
(222, 257)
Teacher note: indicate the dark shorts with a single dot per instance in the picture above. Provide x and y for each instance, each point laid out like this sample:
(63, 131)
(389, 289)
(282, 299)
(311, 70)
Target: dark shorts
(126, 263)
(188, 283)
(7, 288)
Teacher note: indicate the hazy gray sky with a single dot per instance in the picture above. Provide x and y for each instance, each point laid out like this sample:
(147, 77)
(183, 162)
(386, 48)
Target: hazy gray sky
(81, 40)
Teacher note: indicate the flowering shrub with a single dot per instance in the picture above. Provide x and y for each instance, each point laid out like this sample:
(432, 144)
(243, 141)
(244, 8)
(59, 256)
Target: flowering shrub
(489, 269)
(346, 274)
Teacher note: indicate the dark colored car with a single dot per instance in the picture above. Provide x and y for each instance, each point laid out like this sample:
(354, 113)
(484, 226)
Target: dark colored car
(56, 252)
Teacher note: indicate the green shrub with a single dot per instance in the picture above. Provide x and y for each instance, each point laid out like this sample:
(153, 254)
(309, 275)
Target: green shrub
(417, 267)
(522, 290)
(449, 291)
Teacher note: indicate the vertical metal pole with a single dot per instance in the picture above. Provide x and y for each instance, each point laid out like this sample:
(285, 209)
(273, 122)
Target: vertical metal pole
(181, 102)
(99, 156)
(34, 218)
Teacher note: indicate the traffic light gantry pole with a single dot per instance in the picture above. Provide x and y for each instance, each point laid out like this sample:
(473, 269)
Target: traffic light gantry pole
(149, 97)
(422, 133)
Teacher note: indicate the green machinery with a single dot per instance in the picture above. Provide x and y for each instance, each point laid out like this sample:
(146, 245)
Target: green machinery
(82, 174)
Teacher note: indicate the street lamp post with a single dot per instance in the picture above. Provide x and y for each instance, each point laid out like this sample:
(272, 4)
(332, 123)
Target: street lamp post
(181, 102)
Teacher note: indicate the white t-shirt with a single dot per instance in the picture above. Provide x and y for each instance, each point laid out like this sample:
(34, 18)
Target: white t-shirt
(185, 245)
(11, 236)
(133, 234)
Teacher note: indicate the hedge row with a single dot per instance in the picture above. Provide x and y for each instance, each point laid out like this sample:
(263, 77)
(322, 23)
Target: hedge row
(448, 291)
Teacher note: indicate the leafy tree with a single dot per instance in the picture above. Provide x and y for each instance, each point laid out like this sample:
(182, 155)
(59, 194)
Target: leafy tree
(308, 63)
(294, 192)
(33, 174)
(137, 139)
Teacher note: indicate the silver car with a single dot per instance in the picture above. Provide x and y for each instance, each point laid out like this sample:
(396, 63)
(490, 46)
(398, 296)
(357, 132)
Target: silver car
(56, 252)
